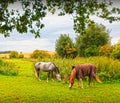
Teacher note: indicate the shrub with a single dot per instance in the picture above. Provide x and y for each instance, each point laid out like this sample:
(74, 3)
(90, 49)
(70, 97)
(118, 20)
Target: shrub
(8, 68)
(107, 68)
(39, 54)
(116, 51)
(105, 50)
(13, 54)
(21, 55)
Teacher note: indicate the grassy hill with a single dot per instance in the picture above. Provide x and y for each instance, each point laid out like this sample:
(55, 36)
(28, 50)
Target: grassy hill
(25, 88)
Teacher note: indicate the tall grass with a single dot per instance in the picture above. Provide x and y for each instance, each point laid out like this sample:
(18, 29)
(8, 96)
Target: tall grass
(107, 68)
(8, 68)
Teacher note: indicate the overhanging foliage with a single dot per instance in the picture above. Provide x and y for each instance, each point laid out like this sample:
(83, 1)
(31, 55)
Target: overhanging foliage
(30, 20)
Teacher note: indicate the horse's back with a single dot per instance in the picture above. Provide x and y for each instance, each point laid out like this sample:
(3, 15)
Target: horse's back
(43, 63)
(85, 69)
(37, 64)
(85, 66)
(45, 66)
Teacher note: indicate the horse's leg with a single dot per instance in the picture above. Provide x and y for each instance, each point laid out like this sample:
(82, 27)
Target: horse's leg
(35, 71)
(48, 76)
(81, 82)
(38, 73)
(52, 75)
(89, 80)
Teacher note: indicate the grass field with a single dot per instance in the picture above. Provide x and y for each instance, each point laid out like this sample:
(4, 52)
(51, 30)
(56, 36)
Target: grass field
(25, 88)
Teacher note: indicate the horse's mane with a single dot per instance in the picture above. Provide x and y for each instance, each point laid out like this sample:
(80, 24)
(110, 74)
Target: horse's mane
(73, 75)
(56, 68)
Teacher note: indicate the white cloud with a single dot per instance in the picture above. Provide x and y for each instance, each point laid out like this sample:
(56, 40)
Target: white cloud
(56, 20)
(115, 40)
(26, 45)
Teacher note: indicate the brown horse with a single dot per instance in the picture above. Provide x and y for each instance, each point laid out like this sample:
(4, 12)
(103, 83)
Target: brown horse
(79, 71)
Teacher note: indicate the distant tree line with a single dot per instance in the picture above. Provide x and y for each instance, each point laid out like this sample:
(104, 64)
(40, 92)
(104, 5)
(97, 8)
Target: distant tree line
(4, 52)
(36, 54)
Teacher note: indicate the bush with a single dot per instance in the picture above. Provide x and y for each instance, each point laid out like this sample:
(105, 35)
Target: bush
(21, 55)
(7, 68)
(107, 68)
(116, 51)
(39, 54)
(13, 54)
(105, 50)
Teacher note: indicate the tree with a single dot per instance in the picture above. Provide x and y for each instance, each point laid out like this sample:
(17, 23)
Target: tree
(33, 11)
(71, 51)
(65, 47)
(94, 36)
(26, 20)
(91, 51)
(116, 51)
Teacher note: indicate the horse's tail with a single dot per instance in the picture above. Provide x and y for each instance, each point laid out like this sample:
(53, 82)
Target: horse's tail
(95, 76)
(97, 79)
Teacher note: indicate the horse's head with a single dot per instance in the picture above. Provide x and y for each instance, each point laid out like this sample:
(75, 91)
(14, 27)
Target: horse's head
(73, 74)
(73, 67)
(57, 73)
(58, 77)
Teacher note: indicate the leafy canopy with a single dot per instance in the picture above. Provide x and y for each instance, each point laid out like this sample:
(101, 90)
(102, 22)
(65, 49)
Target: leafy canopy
(29, 17)
(94, 36)
(65, 47)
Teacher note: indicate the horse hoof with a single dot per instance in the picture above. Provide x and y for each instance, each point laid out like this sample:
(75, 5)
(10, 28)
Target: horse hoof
(70, 87)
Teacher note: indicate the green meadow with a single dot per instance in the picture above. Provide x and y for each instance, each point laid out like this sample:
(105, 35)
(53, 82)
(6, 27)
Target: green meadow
(25, 88)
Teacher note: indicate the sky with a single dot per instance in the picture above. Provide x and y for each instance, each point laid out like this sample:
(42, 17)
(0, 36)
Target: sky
(54, 27)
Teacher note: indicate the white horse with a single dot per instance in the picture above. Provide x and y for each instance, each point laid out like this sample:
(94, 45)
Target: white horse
(47, 67)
